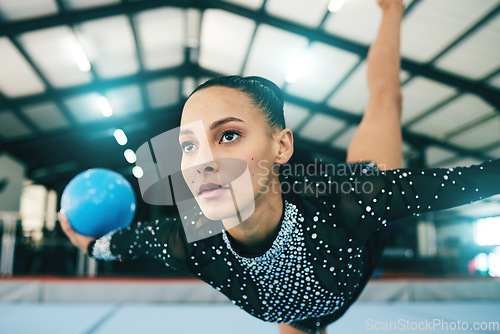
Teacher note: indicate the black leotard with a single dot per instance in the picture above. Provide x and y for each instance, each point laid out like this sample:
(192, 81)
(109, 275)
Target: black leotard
(326, 246)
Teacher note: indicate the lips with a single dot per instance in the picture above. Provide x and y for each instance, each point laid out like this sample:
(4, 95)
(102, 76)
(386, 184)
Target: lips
(209, 186)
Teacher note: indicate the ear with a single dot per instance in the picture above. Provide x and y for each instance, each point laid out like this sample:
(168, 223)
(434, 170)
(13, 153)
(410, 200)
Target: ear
(285, 150)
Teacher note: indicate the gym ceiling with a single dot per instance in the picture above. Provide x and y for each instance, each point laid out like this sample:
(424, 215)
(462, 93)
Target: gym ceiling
(146, 56)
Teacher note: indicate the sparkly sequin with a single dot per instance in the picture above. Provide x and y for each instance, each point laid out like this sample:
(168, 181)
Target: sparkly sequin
(101, 250)
(285, 275)
(317, 263)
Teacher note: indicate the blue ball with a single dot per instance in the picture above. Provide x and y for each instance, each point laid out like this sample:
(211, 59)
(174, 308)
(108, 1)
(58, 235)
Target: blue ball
(98, 201)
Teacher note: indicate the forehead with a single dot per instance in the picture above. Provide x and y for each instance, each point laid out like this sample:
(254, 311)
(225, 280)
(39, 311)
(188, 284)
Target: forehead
(217, 102)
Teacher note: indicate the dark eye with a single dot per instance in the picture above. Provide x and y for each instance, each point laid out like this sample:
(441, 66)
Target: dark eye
(188, 146)
(229, 136)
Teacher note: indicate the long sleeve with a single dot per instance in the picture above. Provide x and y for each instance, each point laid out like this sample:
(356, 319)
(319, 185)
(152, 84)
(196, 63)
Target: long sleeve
(369, 198)
(161, 239)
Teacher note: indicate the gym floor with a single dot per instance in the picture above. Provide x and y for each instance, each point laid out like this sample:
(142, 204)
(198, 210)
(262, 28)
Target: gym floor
(109, 305)
(128, 318)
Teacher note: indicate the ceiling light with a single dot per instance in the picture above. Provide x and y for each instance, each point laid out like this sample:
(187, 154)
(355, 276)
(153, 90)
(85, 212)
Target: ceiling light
(80, 57)
(120, 137)
(130, 156)
(104, 106)
(487, 231)
(335, 5)
(298, 66)
(137, 171)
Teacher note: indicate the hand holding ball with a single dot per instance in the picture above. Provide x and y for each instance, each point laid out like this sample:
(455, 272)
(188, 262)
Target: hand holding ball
(98, 201)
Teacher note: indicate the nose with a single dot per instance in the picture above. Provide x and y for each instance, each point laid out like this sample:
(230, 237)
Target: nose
(207, 167)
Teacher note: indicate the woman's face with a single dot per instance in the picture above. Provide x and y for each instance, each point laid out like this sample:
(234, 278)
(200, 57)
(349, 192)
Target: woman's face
(228, 152)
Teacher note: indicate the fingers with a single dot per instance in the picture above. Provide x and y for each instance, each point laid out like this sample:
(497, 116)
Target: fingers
(65, 225)
(77, 239)
(67, 229)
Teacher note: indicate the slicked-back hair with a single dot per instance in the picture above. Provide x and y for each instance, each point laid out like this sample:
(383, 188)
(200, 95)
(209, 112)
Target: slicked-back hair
(265, 94)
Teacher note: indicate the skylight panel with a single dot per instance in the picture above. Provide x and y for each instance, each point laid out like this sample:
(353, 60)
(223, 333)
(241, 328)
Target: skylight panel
(432, 25)
(325, 67)
(295, 115)
(294, 10)
(11, 126)
(81, 4)
(321, 127)
(435, 154)
(53, 52)
(225, 39)
(353, 95)
(477, 56)
(345, 138)
(272, 52)
(47, 116)
(25, 9)
(17, 77)
(125, 100)
(358, 20)
(109, 44)
(479, 136)
(163, 92)
(421, 94)
(85, 108)
(161, 37)
(458, 112)
(495, 153)
(495, 81)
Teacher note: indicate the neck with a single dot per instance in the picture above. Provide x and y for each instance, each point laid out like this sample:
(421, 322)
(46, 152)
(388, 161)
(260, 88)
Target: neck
(254, 235)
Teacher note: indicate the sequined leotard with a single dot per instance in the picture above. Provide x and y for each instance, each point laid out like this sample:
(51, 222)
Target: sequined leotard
(326, 246)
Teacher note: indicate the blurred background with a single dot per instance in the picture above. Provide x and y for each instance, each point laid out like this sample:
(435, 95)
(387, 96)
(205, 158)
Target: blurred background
(83, 83)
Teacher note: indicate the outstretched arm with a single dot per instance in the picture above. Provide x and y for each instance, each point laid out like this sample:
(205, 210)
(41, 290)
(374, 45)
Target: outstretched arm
(378, 137)
(163, 240)
(377, 198)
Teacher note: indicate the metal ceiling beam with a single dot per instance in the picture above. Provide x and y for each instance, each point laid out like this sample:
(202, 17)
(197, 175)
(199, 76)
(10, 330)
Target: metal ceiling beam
(426, 70)
(70, 17)
(102, 85)
(252, 40)
(6, 104)
(51, 139)
(171, 116)
(416, 140)
(140, 60)
(48, 86)
(74, 17)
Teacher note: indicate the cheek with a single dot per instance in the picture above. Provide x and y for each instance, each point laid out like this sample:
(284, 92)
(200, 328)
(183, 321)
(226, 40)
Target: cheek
(260, 169)
(259, 160)
(188, 173)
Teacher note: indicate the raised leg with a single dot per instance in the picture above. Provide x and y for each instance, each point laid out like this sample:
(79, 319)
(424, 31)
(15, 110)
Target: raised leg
(378, 137)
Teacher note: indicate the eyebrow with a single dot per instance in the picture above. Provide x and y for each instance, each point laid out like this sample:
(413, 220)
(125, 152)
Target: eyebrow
(215, 124)
(223, 121)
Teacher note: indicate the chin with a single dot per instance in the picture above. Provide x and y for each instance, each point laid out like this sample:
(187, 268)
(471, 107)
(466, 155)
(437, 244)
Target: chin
(218, 213)
(224, 208)
(217, 209)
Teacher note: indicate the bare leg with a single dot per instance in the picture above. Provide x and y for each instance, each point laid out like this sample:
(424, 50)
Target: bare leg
(287, 329)
(378, 137)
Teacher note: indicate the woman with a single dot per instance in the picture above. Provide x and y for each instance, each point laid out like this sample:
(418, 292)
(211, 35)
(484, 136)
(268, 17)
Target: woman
(298, 258)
